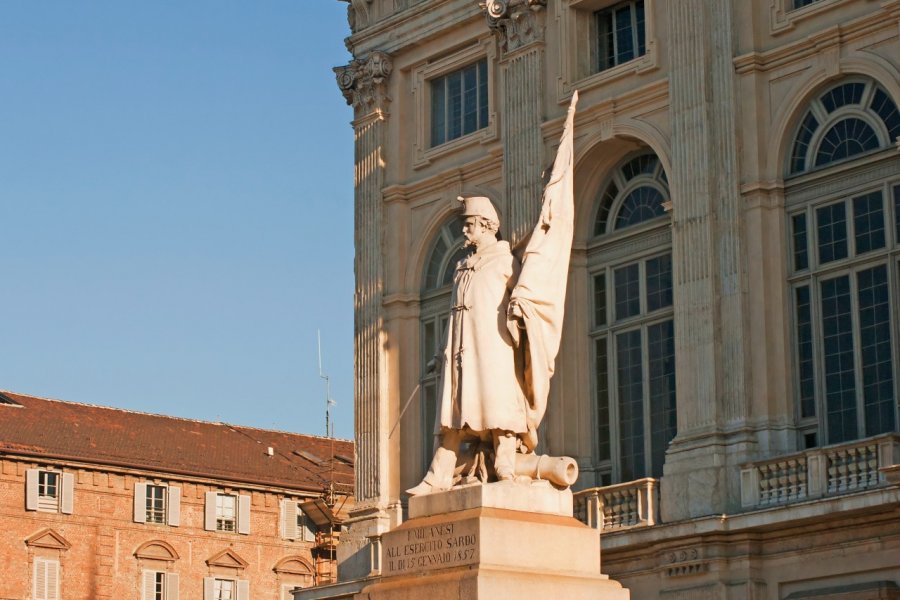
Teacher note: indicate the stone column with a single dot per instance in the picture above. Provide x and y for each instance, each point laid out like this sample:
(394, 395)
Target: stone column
(364, 85)
(707, 256)
(519, 25)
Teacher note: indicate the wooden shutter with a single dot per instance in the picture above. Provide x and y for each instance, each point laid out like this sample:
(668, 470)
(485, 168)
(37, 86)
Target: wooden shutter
(140, 504)
(209, 522)
(40, 579)
(31, 489)
(209, 583)
(149, 585)
(244, 515)
(68, 493)
(289, 519)
(243, 589)
(52, 580)
(174, 516)
(171, 586)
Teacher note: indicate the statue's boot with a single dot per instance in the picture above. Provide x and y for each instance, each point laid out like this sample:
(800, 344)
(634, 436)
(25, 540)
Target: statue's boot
(504, 455)
(440, 474)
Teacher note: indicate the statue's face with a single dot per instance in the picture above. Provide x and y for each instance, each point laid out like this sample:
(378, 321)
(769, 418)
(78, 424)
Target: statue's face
(473, 231)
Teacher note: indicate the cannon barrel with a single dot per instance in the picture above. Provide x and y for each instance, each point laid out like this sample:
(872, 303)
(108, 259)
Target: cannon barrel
(560, 470)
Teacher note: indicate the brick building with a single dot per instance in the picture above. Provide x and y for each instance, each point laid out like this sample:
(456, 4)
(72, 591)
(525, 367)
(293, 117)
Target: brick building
(99, 502)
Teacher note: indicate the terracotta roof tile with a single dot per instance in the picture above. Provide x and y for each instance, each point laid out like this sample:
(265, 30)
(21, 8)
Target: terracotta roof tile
(41, 427)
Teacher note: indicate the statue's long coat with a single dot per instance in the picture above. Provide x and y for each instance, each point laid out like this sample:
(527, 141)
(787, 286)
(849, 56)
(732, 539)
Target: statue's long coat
(479, 389)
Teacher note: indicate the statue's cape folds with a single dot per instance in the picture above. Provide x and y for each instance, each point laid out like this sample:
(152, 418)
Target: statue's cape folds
(541, 288)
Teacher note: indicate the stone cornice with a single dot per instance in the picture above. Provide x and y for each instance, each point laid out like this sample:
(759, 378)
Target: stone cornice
(411, 26)
(514, 21)
(364, 82)
(814, 44)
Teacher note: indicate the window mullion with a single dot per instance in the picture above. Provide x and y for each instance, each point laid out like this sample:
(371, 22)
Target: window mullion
(857, 354)
(615, 453)
(645, 393)
(815, 298)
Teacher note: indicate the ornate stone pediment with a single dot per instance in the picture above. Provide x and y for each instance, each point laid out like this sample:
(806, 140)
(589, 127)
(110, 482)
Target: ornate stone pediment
(294, 565)
(47, 538)
(156, 550)
(514, 21)
(227, 558)
(364, 82)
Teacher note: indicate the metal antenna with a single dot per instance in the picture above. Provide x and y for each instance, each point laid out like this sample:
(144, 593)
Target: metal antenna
(329, 401)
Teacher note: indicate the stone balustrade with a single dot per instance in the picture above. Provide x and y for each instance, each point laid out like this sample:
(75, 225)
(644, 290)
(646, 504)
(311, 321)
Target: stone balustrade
(827, 471)
(620, 506)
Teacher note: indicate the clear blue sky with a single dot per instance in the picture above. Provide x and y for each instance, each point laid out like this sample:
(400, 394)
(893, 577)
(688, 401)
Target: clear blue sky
(176, 189)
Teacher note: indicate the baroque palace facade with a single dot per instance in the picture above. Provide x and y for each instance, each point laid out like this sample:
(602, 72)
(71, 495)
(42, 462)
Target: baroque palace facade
(101, 503)
(728, 378)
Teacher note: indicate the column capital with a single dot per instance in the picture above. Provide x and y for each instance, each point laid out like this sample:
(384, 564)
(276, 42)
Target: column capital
(514, 21)
(364, 82)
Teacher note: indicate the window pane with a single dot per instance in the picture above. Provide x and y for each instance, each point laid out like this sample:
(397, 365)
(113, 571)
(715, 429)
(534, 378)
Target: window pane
(840, 377)
(801, 143)
(801, 254)
(429, 412)
(628, 291)
(606, 46)
(661, 371)
(603, 212)
(805, 353)
(641, 204)
(887, 110)
(875, 350)
(842, 95)
(848, 137)
(429, 343)
(868, 222)
(659, 282)
(454, 104)
(599, 300)
(482, 94)
(631, 405)
(624, 35)
(639, 19)
(470, 99)
(601, 376)
(832, 226)
(897, 212)
(438, 111)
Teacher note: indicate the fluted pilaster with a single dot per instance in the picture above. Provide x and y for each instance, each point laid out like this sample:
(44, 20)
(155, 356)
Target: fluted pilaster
(364, 84)
(519, 26)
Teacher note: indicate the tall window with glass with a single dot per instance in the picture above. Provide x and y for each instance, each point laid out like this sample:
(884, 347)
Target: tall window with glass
(843, 211)
(632, 329)
(446, 251)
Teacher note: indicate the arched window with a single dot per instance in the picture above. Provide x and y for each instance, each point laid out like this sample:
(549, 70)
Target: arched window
(845, 266)
(632, 333)
(446, 251)
(848, 120)
(635, 194)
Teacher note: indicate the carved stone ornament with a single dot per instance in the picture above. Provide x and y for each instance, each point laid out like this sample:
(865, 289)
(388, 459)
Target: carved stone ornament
(364, 82)
(515, 21)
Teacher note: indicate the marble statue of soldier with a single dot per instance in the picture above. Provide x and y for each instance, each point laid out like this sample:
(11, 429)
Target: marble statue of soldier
(503, 337)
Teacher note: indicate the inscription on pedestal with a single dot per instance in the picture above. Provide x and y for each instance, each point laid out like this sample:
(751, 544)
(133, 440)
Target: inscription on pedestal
(430, 547)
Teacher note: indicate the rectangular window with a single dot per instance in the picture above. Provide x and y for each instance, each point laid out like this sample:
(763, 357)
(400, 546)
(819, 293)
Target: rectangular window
(661, 373)
(897, 213)
(225, 512)
(223, 589)
(621, 34)
(48, 485)
(631, 404)
(627, 291)
(659, 282)
(801, 3)
(601, 376)
(156, 504)
(45, 584)
(840, 376)
(831, 222)
(875, 350)
(805, 353)
(868, 222)
(801, 254)
(599, 300)
(306, 527)
(459, 103)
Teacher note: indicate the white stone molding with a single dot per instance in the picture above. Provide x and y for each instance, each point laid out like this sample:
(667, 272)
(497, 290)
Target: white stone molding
(577, 69)
(423, 153)
(515, 22)
(364, 82)
(784, 17)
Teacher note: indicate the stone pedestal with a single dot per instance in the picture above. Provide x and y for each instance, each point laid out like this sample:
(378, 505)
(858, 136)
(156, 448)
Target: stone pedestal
(498, 540)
